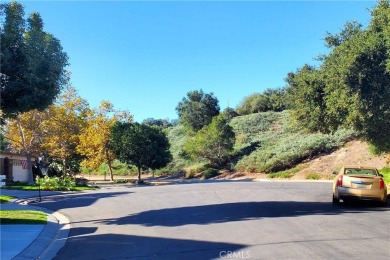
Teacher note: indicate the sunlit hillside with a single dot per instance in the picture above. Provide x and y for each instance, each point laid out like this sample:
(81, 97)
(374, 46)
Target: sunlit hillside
(265, 142)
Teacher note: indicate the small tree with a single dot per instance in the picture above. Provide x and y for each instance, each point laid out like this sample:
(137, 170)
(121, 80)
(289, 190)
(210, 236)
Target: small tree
(65, 121)
(197, 110)
(213, 142)
(24, 133)
(95, 138)
(140, 145)
(269, 100)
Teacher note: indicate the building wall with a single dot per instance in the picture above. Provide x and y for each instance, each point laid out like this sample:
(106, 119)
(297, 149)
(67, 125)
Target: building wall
(15, 170)
(18, 172)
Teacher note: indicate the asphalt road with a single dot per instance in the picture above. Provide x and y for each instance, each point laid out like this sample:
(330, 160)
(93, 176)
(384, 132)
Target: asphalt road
(226, 220)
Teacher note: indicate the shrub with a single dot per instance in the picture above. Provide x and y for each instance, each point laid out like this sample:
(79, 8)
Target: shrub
(56, 183)
(280, 146)
(210, 173)
(386, 174)
(213, 143)
(313, 176)
(281, 175)
(189, 175)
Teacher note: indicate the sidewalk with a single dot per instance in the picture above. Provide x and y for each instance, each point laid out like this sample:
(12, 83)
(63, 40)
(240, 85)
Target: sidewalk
(32, 241)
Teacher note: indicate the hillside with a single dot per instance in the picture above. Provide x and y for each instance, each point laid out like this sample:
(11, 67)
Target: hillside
(352, 153)
(321, 167)
(270, 143)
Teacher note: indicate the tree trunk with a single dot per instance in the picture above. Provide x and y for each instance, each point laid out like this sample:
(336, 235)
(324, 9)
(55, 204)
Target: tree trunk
(139, 173)
(64, 165)
(26, 149)
(111, 173)
(29, 169)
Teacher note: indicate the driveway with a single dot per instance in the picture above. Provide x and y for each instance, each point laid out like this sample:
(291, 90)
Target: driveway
(227, 220)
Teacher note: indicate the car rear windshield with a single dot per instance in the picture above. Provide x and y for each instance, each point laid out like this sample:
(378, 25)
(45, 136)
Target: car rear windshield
(369, 172)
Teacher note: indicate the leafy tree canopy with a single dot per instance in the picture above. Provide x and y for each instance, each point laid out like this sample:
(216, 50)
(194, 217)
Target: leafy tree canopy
(269, 100)
(157, 122)
(94, 138)
(197, 110)
(213, 142)
(65, 120)
(351, 87)
(140, 145)
(32, 62)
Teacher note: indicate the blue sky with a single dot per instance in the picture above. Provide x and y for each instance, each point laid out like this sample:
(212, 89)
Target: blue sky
(145, 56)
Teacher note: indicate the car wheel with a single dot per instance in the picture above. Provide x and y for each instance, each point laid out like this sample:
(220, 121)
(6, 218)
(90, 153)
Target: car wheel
(335, 200)
(384, 202)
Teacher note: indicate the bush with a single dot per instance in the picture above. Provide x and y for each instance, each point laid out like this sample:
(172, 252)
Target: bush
(313, 176)
(280, 146)
(210, 173)
(386, 174)
(213, 143)
(281, 175)
(57, 183)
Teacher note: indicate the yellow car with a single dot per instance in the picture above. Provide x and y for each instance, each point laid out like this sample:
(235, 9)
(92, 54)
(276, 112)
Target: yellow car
(359, 182)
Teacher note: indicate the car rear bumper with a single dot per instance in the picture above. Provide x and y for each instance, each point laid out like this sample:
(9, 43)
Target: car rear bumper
(361, 194)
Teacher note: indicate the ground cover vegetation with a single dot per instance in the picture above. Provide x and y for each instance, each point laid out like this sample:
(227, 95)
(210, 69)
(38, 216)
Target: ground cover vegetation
(5, 199)
(320, 108)
(22, 217)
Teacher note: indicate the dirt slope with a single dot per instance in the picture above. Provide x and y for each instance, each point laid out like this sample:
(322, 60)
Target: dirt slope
(353, 153)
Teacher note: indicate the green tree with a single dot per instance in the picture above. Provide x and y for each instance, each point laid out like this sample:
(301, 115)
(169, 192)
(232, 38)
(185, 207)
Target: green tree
(163, 123)
(141, 145)
(3, 142)
(213, 142)
(269, 100)
(229, 113)
(350, 89)
(197, 110)
(306, 98)
(32, 62)
(358, 78)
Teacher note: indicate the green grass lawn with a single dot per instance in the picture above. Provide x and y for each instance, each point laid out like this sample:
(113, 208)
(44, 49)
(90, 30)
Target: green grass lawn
(22, 217)
(5, 199)
(28, 187)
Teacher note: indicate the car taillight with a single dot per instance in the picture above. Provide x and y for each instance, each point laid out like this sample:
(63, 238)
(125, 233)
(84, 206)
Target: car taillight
(381, 184)
(340, 181)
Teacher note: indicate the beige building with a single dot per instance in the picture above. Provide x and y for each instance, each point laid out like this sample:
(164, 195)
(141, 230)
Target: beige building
(14, 166)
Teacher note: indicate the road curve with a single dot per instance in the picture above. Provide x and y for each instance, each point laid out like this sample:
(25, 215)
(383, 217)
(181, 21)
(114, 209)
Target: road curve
(226, 220)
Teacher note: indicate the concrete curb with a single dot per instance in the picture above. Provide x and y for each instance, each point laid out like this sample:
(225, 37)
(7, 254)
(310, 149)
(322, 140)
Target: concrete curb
(287, 180)
(52, 238)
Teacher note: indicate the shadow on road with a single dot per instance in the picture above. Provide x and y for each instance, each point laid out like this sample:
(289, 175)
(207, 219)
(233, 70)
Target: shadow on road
(229, 212)
(76, 200)
(116, 246)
